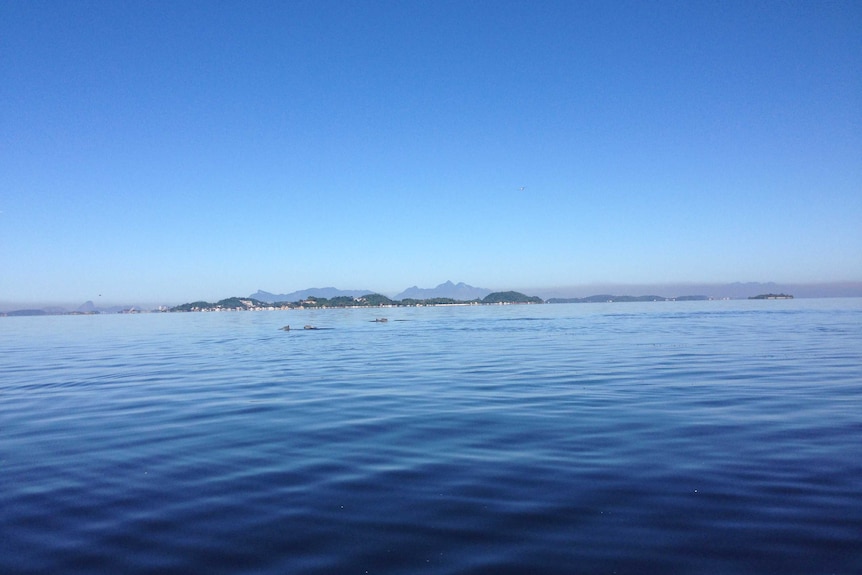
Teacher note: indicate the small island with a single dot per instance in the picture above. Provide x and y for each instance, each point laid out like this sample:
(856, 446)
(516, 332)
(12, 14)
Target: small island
(772, 296)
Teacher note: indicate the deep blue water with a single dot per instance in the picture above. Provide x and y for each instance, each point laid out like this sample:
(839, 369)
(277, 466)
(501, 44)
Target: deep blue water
(668, 437)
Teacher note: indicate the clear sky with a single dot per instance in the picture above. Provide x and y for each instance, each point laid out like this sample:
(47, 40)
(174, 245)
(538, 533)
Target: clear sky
(168, 151)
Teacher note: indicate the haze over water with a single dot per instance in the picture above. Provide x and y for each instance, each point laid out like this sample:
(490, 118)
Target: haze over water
(671, 437)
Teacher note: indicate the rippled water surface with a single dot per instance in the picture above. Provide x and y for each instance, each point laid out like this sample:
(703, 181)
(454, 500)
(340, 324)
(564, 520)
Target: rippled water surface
(669, 437)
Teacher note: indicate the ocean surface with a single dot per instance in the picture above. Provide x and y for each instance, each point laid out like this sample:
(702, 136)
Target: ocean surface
(667, 437)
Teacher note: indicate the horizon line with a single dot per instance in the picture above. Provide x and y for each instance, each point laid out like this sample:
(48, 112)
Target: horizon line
(826, 289)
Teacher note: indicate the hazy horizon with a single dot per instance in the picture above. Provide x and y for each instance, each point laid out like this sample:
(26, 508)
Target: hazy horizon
(165, 152)
(734, 290)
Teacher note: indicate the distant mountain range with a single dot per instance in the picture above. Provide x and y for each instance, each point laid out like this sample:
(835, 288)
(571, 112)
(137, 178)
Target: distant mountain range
(459, 291)
(327, 292)
(465, 292)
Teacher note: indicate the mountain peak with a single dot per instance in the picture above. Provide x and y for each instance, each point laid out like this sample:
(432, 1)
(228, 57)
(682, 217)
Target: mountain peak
(447, 289)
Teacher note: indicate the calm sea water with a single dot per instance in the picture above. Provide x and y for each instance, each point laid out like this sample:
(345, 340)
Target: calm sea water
(677, 437)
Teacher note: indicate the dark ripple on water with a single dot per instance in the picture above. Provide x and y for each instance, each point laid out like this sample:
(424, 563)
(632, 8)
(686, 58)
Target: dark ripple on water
(629, 438)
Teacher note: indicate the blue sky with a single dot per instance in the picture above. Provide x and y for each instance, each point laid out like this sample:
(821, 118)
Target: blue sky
(172, 151)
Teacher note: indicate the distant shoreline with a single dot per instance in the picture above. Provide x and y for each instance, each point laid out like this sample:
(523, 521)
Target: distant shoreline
(248, 304)
(772, 296)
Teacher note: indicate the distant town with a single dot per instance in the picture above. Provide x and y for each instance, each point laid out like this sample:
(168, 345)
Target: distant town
(367, 300)
(378, 300)
(772, 296)
(370, 300)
